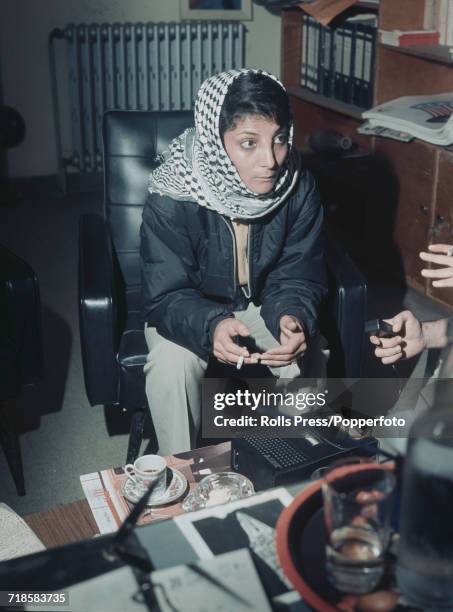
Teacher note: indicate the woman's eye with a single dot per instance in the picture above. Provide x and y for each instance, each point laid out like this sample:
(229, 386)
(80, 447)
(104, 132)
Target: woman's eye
(247, 144)
(281, 139)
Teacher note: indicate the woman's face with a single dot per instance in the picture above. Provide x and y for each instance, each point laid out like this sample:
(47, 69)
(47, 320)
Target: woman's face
(257, 146)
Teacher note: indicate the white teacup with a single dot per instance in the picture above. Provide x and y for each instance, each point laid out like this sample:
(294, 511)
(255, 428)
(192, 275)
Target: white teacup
(146, 470)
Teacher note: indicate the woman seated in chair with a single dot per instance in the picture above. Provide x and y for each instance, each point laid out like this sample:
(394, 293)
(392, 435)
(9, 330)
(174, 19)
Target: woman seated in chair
(231, 250)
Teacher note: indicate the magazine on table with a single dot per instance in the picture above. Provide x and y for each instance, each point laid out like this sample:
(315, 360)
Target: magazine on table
(229, 582)
(428, 118)
(245, 523)
(103, 489)
(377, 130)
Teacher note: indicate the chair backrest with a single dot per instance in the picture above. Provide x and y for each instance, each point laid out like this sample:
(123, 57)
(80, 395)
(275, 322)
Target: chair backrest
(21, 359)
(132, 141)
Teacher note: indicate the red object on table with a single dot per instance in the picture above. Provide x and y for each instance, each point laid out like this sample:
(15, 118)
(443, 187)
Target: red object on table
(302, 509)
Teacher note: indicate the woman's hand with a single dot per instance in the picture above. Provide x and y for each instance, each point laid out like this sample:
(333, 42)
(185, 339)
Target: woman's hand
(292, 344)
(225, 349)
(441, 254)
(409, 341)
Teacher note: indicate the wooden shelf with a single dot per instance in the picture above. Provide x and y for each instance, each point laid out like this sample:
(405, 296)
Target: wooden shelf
(433, 53)
(350, 110)
(368, 5)
(413, 183)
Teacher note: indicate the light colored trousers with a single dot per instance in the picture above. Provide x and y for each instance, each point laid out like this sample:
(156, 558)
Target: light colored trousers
(174, 375)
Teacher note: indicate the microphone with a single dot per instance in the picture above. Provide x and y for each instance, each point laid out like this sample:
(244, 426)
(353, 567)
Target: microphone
(127, 551)
(58, 568)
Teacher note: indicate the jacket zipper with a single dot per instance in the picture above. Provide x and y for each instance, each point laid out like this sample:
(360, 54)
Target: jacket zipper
(249, 260)
(230, 229)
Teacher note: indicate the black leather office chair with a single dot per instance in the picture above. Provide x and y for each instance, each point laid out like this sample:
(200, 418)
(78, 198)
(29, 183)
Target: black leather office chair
(111, 325)
(21, 358)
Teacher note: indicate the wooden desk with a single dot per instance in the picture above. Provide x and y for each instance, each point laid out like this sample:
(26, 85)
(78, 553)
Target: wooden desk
(63, 524)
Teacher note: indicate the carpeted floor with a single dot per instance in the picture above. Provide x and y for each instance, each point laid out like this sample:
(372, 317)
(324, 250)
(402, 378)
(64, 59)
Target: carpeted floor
(62, 436)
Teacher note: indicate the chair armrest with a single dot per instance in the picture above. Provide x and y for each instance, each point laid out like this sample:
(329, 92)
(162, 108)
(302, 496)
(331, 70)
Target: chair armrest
(98, 310)
(346, 306)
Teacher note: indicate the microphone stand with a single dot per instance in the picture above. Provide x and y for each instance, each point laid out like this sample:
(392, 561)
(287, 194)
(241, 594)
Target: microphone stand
(126, 547)
(65, 566)
(122, 546)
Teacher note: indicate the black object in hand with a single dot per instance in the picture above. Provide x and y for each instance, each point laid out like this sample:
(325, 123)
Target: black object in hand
(247, 342)
(379, 328)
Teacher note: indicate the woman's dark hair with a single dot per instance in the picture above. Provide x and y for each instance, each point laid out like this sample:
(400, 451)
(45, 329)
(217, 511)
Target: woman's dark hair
(253, 93)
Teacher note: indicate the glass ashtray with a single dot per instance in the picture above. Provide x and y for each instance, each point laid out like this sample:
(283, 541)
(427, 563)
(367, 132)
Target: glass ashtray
(217, 489)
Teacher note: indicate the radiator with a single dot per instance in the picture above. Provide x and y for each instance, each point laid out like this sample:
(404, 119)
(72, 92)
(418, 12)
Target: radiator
(152, 66)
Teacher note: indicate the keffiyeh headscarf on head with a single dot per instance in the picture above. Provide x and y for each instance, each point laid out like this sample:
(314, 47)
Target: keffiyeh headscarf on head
(197, 168)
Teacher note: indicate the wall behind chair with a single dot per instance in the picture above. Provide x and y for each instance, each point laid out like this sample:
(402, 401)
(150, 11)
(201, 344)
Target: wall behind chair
(24, 30)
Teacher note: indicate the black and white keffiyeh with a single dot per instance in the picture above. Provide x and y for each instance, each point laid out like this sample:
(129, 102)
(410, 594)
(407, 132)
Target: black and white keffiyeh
(197, 168)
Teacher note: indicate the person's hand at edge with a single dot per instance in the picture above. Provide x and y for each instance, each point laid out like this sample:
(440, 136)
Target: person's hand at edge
(441, 254)
(408, 341)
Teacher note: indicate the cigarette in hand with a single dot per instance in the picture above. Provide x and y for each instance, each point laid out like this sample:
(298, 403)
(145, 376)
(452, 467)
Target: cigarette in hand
(240, 362)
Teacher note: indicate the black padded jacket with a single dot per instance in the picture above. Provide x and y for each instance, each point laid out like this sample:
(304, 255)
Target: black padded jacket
(188, 261)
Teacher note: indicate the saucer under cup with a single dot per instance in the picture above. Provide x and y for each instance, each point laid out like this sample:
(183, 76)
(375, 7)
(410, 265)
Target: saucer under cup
(145, 471)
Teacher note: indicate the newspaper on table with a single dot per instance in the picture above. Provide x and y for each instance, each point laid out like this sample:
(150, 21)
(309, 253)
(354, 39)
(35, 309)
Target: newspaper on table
(376, 130)
(103, 489)
(235, 586)
(245, 523)
(428, 118)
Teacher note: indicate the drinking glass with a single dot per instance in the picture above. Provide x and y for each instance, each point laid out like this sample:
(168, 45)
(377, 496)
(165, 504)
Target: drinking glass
(358, 503)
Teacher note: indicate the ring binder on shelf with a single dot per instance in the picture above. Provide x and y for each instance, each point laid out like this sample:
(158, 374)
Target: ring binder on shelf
(339, 62)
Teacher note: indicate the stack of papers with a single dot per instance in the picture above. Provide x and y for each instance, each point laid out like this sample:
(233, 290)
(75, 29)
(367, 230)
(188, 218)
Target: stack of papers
(428, 118)
(228, 582)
